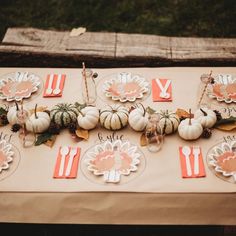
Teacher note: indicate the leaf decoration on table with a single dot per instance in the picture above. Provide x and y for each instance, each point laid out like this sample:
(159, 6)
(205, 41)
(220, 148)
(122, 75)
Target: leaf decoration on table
(38, 109)
(183, 114)
(226, 124)
(143, 140)
(150, 110)
(50, 142)
(42, 138)
(82, 133)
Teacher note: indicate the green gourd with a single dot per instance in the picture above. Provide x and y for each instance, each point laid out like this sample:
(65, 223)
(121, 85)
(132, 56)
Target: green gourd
(63, 114)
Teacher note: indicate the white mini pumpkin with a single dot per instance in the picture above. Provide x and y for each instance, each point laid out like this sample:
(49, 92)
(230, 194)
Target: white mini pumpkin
(138, 118)
(190, 129)
(88, 117)
(38, 122)
(114, 117)
(168, 122)
(206, 117)
(12, 114)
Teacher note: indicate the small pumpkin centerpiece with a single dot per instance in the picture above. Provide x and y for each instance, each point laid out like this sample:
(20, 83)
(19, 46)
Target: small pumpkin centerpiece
(138, 118)
(114, 117)
(38, 122)
(64, 114)
(190, 129)
(168, 122)
(88, 117)
(12, 114)
(206, 116)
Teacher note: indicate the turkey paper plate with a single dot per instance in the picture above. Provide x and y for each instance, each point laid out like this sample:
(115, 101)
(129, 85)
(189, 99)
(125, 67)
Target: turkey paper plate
(223, 159)
(6, 155)
(125, 87)
(18, 85)
(224, 88)
(112, 160)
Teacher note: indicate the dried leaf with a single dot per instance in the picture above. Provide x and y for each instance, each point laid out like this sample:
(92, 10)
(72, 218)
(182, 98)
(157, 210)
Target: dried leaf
(227, 124)
(82, 133)
(227, 127)
(50, 142)
(42, 138)
(39, 109)
(3, 111)
(150, 111)
(143, 140)
(181, 113)
(77, 31)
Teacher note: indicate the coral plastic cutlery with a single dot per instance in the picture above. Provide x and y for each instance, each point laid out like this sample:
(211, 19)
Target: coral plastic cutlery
(64, 151)
(73, 153)
(186, 151)
(196, 152)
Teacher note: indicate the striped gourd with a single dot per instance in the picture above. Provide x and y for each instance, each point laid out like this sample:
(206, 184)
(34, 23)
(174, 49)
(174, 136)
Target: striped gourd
(114, 117)
(168, 122)
(63, 114)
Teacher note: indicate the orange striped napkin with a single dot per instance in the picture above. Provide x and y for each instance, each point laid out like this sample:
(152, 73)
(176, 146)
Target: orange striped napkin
(54, 85)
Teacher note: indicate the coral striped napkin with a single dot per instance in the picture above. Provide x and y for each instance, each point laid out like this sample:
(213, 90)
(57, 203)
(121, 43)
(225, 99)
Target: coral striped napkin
(54, 85)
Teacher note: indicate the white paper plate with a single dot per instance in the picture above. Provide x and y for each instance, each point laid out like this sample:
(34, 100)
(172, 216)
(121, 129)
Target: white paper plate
(223, 158)
(19, 85)
(125, 87)
(221, 91)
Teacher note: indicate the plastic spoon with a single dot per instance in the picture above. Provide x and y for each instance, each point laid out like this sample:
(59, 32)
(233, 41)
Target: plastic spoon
(186, 151)
(49, 88)
(64, 151)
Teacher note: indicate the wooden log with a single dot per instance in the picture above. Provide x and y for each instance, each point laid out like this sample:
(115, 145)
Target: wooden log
(30, 47)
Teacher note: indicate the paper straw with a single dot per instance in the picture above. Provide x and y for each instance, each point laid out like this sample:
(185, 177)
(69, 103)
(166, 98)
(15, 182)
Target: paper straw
(204, 90)
(86, 83)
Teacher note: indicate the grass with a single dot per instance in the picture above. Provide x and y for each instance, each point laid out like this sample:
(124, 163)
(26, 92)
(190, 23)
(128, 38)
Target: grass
(208, 18)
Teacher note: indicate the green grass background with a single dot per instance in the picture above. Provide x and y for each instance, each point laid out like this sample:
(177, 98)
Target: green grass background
(205, 18)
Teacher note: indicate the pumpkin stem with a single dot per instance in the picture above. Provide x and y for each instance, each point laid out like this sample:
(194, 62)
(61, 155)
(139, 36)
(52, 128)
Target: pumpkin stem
(35, 111)
(144, 110)
(17, 107)
(190, 117)
(81, 113)
(204, 113)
